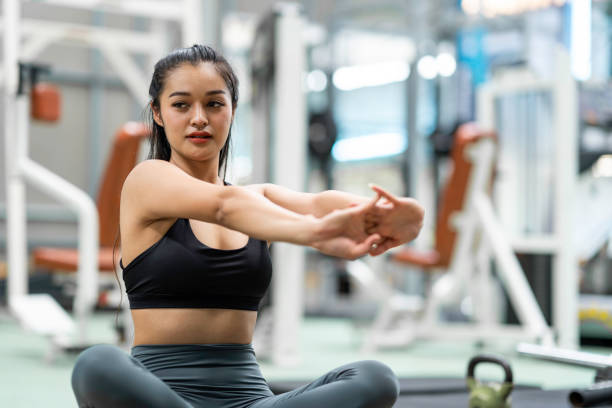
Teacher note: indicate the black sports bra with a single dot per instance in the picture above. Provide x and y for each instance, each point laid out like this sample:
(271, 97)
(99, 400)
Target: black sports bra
(179, 271)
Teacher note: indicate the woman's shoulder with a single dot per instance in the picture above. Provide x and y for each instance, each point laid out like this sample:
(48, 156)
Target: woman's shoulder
(145, 167)
(145, 178)
(146, 172)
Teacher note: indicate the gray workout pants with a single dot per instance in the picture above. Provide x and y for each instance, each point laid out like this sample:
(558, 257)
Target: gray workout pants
(216, 376)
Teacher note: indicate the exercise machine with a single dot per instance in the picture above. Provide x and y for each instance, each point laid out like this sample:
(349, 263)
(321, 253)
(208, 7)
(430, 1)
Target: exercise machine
(475, 238)
(23, 40)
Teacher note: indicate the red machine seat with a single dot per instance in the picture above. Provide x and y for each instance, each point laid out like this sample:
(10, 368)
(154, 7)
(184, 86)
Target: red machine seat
(424, 259)
(67, 259)
(122, 159)
(453, 197)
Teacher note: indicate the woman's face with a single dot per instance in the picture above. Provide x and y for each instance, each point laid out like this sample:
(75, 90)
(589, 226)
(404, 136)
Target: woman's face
(196, 113)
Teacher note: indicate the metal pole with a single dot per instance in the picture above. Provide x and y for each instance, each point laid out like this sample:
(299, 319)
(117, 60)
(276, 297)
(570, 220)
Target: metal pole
(510, 271)
(565, 266)
(289, 163)
(15, 188)
(411, 158)
(87, 277)
(192, 32)
(96, 98)
(573, 357)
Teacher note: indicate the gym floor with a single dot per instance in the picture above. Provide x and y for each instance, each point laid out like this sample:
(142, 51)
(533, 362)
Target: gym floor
(28, 379)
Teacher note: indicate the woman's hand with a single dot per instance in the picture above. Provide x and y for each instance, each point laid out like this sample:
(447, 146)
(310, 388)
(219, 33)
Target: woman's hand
(347, 248)
(396, 219)
(342, 233)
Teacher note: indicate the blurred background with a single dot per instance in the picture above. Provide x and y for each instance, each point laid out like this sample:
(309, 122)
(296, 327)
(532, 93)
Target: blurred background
(495, 115)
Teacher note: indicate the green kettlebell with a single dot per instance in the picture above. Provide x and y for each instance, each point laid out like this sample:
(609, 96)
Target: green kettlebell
(489, 395)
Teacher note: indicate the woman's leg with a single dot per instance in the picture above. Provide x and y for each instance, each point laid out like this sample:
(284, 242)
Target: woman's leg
(104, 376)
(364, 384)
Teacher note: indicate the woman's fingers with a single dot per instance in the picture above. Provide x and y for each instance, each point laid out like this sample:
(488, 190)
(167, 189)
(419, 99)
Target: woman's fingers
(382, 192)
(365, 246)
(347, 248)
(383, 247)
(376, 250)
(374, 200)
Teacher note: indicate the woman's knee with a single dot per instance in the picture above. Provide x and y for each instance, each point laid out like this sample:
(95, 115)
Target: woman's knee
(380, 384)
(97, 366)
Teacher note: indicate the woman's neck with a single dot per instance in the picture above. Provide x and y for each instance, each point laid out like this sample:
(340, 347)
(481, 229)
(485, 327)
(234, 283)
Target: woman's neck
(205, 171)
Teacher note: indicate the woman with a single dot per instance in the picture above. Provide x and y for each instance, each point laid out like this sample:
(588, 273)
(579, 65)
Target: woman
(196, 262)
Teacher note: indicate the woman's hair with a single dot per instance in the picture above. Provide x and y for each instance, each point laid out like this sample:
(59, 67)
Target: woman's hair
(194, 55)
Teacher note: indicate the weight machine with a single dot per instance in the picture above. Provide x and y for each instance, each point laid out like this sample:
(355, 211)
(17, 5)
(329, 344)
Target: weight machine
(501, 236)
(554, 166)
(23, 41)
(600, 392)
(480, 238)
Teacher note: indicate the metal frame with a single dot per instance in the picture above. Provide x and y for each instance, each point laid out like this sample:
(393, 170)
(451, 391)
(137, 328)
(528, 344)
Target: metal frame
(480, 237)
(279, 143)
(568, 356)
(23, 40)
(288, 158)
(560, 243)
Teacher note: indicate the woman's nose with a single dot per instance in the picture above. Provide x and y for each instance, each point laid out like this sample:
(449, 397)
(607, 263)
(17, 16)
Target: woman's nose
(199, 119)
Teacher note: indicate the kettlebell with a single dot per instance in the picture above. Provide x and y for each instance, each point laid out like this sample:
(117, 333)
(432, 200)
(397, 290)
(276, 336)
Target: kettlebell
(489, 395)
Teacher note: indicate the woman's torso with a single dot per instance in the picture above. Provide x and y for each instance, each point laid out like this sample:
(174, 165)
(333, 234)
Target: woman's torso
(185, 325)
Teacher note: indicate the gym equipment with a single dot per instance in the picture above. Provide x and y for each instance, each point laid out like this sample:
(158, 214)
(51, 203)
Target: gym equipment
(45, 103)
(567, 356)
(23, 40)
(40, 313)
(469, 235)
(594, 395)
(489, 395)
(599, 392)
(537, 122)
(520, 399)
(45, 98)
(123, 157)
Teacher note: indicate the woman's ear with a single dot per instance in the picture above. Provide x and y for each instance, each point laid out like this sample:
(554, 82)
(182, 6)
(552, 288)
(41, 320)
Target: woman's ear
(156, 115)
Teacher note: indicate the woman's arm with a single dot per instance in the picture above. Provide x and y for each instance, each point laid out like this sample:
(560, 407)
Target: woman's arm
(156, 189)
(317, 204)
(397, 220)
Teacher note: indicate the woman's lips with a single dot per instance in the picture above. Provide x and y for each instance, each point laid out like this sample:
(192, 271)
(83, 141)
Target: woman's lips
(199, 135)
(199, 139)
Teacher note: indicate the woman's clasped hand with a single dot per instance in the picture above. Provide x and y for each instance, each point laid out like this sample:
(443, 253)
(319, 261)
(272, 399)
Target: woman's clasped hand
(372, 227)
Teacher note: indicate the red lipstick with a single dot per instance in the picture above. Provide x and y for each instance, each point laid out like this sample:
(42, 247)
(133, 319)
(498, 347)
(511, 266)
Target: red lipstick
(199, 137)
(199, 134)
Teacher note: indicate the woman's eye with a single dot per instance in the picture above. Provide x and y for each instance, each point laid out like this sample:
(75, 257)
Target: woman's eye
(215, 104)
(179, 105)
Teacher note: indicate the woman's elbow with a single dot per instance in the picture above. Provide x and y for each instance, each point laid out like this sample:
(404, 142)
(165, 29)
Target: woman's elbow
(222, 207)
(227, 203)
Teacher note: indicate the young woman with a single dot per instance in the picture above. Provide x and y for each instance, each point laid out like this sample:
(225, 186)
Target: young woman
(196, 263)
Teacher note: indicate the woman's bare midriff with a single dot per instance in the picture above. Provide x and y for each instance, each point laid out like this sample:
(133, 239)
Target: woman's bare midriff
(193, 326)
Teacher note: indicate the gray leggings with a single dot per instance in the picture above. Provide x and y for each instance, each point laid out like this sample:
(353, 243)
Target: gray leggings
(216, 376)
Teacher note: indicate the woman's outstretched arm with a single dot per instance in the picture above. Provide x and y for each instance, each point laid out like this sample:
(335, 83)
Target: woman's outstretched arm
(317, 204)
(397, 219)
(156, 190)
